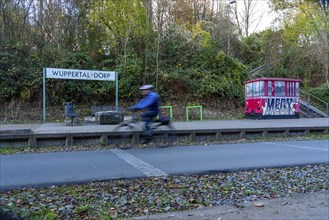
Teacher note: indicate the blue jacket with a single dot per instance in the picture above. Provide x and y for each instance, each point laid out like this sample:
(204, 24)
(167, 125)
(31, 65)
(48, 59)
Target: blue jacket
(151, 102)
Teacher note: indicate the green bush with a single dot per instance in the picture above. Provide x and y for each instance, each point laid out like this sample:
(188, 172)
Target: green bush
(321, 92)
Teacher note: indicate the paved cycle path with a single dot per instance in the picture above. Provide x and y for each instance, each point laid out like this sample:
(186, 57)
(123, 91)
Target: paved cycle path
(44, 169)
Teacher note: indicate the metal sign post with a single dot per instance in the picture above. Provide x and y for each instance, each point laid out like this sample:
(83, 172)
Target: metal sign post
(44, 93)
(56, 73)
(116, 91)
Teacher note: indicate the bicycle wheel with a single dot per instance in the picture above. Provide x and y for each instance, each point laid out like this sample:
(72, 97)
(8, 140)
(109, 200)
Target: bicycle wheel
(164, 134)
(126, 133)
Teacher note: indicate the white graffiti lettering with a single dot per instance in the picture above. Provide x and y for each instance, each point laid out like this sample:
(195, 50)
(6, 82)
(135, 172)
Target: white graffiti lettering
(280, 106)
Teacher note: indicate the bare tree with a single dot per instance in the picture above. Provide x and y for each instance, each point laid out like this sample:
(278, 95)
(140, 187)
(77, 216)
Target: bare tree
(201, 9)
(3, 24)
(15, 15)
(247, 16)
(320, 48)
(149, 17)
(161, 23)
(40, 23)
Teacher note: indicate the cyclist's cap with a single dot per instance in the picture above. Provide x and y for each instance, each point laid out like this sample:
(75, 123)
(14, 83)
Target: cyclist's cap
(146, 87)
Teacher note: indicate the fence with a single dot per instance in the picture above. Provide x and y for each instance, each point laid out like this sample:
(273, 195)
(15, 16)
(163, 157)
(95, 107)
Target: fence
(314, 101)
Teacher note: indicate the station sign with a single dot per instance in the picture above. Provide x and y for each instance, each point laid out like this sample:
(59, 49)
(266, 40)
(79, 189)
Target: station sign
(80, 74)
(57, 73)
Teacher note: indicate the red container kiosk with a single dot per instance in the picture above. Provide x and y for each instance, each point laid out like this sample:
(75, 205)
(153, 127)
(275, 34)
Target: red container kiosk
(269, 98)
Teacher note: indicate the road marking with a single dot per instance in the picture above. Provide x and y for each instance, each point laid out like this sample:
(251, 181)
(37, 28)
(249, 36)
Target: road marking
(146, 168)
(295, 146)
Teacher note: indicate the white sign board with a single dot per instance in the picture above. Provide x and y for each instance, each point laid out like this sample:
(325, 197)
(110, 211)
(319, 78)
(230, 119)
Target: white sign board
(80, 74)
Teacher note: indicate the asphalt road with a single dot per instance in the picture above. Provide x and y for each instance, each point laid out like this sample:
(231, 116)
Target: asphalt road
(44, 169)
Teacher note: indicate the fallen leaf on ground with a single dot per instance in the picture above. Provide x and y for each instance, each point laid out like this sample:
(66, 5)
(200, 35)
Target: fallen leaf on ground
(259, 204)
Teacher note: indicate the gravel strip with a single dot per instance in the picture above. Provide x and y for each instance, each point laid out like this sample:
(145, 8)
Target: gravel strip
(138, 197)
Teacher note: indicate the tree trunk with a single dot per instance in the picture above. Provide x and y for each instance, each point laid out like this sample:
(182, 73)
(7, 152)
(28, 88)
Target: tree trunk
(125, 57)
(149, 16)
(157, 59)
(40, 24)
(326, 73)
(2, 8)
(125, 49)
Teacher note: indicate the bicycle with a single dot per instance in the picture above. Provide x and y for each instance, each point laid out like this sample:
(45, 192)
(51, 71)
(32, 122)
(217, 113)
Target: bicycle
(133, 128)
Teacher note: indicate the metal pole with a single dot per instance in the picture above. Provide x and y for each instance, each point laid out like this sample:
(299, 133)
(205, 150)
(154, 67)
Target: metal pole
(44, 94)
(229, 26)
(228, 30)
(116, 92)
(308, 104)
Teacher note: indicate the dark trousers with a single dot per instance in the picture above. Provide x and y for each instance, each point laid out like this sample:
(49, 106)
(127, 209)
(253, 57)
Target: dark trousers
(148, 117)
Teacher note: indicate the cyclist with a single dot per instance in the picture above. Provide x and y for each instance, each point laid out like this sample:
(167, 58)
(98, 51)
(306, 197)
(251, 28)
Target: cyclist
(150, 102)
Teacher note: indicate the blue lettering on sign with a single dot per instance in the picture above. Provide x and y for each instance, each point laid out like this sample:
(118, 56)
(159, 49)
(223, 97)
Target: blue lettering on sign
(78, 74)
(280, 106)
(70, 73)
(102, 75)
(85, 75)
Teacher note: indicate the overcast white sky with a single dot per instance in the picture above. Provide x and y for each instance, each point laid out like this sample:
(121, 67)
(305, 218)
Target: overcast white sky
(268, 16)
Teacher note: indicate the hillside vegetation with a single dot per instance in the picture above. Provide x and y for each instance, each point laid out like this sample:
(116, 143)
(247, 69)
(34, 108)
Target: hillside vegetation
(179, 46)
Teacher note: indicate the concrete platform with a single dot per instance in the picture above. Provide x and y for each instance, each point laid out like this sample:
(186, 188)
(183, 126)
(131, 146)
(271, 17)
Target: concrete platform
(50, 134)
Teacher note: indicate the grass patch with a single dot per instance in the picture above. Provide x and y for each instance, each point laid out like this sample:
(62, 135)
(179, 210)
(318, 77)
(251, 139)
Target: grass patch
(11, 150)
